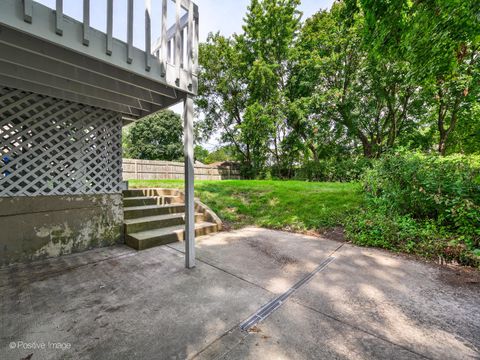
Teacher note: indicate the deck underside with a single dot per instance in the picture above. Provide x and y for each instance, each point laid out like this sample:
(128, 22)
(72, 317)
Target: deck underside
(35, 65)
(35, 58)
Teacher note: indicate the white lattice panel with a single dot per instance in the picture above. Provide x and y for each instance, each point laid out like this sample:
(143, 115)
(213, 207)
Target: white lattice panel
(56, 147)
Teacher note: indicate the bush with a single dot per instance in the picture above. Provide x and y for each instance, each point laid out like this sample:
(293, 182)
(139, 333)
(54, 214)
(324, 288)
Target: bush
(423, 204)
(342, 170)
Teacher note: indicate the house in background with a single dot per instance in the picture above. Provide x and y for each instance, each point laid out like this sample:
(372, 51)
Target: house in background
(66, 90)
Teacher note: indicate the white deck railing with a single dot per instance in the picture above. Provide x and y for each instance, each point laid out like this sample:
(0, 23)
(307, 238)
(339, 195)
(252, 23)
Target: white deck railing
(169, 50)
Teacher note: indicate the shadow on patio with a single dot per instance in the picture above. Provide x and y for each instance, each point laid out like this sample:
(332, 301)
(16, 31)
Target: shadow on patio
(115, 303)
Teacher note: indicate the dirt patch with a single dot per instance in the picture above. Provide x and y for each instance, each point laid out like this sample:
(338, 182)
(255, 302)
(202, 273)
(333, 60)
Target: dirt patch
(254, 329)
(335, 234)
(271, 251)
(454, 275)
(227, 226)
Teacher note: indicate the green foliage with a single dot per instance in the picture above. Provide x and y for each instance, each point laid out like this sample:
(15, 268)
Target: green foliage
(288, 205)
(222, 93)
(157, 137)
(342, 169)
(200, 153)
(224, 153)
(363, 78)
(243, 80)
(425, 204)
(440, 42)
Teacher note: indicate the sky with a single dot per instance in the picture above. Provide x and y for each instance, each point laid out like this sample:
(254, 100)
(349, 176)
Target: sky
(225, 16)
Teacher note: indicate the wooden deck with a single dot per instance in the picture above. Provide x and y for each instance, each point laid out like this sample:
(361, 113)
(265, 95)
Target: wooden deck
(46, 52)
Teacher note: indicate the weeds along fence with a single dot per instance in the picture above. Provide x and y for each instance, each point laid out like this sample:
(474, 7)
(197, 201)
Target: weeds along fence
(134, 169)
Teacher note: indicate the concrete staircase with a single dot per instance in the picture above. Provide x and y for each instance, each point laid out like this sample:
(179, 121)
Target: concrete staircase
(154, 217)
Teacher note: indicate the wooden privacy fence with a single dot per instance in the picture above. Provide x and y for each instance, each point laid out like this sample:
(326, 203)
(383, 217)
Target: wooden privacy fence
(163, 170)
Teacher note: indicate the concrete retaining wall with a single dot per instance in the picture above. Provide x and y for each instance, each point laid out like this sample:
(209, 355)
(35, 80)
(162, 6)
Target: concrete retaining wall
(45, 226)
(164, 170)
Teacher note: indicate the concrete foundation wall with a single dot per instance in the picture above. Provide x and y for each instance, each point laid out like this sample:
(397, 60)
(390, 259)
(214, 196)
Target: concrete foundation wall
(46, 226)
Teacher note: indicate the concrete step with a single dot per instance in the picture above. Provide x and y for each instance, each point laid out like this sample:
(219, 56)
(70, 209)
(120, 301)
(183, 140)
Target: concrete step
(136, 212)
(133, 193)
(156, 222)
(151, 238)
(139, 201)
(170, 199)
(160, 192)
(151, 192)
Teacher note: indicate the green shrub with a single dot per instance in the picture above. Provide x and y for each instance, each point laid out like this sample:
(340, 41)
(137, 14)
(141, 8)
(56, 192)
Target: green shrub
(332, 170)
(423, 204)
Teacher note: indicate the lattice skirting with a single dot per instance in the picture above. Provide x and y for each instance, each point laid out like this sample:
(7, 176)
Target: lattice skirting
(57, 147)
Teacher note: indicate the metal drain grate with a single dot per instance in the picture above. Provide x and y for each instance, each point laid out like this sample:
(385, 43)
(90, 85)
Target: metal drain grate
(266, 310)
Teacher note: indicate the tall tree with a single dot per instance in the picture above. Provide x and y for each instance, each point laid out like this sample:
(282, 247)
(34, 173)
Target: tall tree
(439, 39)
(358, 96)
(222, 94)
(157, 137)
(243, 80)
(271, 27)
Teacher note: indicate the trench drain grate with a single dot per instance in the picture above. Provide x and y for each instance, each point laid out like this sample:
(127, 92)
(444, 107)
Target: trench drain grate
(266, 310)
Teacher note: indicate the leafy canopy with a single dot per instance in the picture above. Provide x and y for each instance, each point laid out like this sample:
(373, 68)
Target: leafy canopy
(157, 137)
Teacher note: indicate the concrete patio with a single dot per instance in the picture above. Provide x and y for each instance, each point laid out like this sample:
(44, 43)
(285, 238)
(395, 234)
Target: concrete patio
(116, 303)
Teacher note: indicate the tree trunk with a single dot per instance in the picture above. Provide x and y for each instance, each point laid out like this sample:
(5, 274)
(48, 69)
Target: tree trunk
(366, 145)
(444, 133)
(314, 151)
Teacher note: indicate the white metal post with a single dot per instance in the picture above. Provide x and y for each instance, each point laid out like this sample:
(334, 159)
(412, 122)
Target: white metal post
(189, 189)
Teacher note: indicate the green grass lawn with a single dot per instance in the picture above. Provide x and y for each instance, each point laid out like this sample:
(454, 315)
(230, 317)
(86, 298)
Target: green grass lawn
(287, 205)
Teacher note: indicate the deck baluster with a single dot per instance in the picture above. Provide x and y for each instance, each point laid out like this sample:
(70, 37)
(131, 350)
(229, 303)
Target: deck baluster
(148, 34)
(130, 32)
(178, 39)
(109, 26)
(86, 22)
(27, 11)
(164, 53)
(190, 44)
(59, 17)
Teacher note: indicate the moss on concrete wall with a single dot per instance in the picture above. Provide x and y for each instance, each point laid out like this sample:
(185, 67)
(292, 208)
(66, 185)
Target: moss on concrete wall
(33, 228)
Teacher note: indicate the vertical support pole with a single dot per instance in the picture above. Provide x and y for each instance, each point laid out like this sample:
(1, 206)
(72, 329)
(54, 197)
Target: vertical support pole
(27, 11)
(163, 47)
(86, 22)
(148, 34)
(59, 17)
(130, 32)
(109, 27)
(189, 177)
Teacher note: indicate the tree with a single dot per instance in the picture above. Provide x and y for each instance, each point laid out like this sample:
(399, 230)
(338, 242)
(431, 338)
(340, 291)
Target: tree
(242, 82)
(271, 27)
(157, 137)
(222, 94)
(439, 40)
(223, 153)
(364, 77)
(346, 93)
(200, 153)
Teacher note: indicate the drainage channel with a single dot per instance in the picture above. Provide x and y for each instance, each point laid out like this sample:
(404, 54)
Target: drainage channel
(267, 309)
